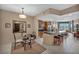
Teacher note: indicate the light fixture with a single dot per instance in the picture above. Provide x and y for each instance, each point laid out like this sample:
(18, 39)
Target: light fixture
(22, 15)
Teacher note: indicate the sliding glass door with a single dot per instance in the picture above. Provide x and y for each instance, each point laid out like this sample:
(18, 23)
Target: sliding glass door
(64, 26)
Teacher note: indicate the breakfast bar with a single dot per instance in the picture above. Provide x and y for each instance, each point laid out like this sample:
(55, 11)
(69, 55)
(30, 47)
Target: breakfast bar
(48, 38)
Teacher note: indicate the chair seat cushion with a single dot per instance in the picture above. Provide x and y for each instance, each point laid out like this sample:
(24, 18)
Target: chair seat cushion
(27, 41)
(19, 40)
(32, 37)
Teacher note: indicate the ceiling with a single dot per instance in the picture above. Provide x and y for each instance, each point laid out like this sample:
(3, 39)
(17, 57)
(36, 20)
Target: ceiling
(34, 9)
(66, 17)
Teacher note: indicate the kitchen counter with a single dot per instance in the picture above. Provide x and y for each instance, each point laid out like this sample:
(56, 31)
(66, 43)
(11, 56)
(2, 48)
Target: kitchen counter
(51, 33)
(48, 38)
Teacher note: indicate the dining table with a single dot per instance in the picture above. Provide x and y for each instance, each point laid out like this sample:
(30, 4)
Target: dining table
(26, 41)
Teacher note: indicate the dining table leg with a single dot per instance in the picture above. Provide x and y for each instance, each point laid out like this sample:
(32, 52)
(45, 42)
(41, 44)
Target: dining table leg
(30, 44)
(24, 46)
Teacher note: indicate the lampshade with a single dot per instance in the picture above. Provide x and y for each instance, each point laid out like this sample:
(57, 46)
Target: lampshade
(22, 15)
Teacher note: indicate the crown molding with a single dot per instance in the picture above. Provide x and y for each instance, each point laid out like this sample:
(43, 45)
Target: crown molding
(59, 12)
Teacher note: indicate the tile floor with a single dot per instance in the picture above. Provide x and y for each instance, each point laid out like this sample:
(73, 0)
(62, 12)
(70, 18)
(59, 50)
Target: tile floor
(69, 45)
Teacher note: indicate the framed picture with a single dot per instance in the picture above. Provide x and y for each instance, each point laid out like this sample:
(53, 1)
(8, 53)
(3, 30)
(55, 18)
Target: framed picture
(7, 25)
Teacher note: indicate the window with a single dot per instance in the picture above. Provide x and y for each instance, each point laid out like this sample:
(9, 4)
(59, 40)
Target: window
(64, 26)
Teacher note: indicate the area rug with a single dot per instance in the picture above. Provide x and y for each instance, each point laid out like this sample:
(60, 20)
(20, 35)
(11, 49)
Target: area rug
(36, 49)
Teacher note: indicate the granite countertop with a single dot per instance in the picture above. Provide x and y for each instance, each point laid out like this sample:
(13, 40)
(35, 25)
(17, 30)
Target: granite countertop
(50, 33)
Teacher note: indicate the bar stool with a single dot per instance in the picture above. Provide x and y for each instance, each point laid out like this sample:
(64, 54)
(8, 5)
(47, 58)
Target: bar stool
(56, 40)
(61, 38)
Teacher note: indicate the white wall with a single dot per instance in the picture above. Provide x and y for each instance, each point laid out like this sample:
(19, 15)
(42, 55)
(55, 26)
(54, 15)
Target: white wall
(36, 26)
(0, 24)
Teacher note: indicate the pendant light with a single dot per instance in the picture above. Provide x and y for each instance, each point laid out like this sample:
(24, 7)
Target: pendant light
(22, 15)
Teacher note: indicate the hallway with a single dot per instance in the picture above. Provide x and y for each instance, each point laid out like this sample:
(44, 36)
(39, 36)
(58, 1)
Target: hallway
(70, 45)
